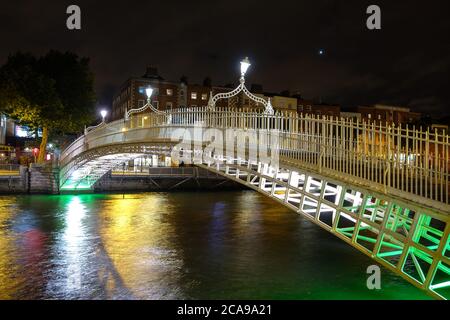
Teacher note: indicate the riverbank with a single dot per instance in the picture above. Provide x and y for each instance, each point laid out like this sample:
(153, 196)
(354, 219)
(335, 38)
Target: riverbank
(44, 180)
(165, 179)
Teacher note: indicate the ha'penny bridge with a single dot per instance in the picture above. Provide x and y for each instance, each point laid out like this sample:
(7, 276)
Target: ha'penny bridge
(381, 188)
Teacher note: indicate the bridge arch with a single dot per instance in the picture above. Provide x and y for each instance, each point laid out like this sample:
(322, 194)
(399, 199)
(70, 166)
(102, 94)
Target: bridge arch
(379, 188)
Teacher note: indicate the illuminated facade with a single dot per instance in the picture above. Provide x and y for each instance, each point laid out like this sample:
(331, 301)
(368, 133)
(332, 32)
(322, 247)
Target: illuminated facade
(2, 129)
(390, 114)
(166, 94)
(317, 109)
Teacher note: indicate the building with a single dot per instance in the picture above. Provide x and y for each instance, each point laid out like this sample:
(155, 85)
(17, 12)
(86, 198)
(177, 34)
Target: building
(173, 94)
(440, 128)
(318, 109)
(283, 103)
(166, 94)
(198, 96)
(350, 115)
(391, 114)
(2, 130)
(131, 95)
(15, 140)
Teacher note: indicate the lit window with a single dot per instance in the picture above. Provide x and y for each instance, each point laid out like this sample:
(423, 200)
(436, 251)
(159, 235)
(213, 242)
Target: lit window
(204, 96)
(22, 132)
(194, 95)
(26, 132)
(169, 92)
(369, 116)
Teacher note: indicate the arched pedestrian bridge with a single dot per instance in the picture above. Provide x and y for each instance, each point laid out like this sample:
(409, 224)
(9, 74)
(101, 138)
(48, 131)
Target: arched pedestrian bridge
(383, 189)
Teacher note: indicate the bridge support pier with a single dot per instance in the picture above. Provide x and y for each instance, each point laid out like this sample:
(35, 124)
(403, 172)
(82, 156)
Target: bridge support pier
(43, 179)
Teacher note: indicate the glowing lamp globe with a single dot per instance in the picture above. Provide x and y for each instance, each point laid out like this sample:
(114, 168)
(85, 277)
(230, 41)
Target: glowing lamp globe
(103, 113)
(244, 66)
(149, 92)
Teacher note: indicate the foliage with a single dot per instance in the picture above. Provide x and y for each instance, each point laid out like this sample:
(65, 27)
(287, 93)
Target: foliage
(54, 92)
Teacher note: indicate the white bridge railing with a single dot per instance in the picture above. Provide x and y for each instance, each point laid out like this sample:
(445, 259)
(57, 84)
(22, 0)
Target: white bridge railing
(400, 159)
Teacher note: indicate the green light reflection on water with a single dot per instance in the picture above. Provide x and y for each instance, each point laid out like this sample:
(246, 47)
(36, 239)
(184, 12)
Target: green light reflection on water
(236, 245)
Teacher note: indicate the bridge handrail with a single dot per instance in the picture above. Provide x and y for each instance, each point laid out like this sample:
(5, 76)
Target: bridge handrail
(74, 148)
(402, 157)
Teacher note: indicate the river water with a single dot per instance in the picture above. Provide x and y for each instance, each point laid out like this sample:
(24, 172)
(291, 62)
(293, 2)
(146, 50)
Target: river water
(182, 245)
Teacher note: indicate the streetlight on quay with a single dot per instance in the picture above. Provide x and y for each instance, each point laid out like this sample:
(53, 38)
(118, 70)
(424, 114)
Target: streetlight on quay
(245, 64)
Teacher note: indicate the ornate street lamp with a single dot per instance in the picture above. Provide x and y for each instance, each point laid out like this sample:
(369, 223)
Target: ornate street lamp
(149, 92)
(103, 113)
(245, 64)
(148, 105)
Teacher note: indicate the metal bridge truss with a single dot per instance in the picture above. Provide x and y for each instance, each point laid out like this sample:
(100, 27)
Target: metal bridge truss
(410, 240)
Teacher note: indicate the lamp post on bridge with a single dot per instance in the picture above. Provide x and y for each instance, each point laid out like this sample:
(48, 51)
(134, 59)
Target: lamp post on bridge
(103, 113)
(245, 64)
(148, 105)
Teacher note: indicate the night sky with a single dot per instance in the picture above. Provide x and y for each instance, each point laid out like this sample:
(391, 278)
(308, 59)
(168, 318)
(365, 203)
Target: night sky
(407, 62)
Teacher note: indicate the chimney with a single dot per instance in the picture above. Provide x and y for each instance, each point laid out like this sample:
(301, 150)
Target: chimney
(207, 82)
(184, 79)
(151, 72)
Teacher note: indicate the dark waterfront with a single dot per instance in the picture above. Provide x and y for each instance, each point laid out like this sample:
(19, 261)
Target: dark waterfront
(184, 245)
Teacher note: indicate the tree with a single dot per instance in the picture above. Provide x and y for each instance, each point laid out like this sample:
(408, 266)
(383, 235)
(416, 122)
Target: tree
(53, 93)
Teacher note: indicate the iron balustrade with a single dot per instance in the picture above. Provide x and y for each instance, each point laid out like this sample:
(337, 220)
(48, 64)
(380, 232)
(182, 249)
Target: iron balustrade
(404, 160)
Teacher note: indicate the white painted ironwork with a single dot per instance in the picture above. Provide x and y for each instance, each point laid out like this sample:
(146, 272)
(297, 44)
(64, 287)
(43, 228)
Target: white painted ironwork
(87, 129)
(148, 105)
(397, 160)
(103, 113)
(384, 189)
(268, 109)
(386, 229)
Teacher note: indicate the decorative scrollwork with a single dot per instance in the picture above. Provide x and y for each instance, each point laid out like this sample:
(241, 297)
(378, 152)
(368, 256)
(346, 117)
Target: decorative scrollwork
(148, 105)
(269, 108)
(86, 130)
(227, 95)
(253, 97)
